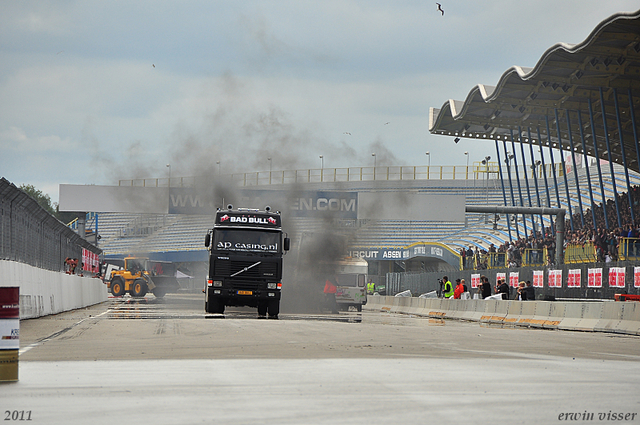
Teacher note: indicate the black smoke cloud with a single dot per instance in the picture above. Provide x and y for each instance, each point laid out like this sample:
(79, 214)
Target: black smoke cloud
(237, 137)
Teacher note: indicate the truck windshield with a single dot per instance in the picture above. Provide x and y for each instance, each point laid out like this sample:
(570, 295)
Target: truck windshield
(246, 240)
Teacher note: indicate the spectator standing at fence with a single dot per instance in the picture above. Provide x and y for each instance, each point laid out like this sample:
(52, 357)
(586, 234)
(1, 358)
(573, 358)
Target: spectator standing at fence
(503, 288)
(469, 257)
(521, 295)
(485, 287)
(530, 291)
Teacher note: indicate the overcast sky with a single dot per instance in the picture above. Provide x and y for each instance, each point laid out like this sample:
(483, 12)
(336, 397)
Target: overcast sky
(96, 91)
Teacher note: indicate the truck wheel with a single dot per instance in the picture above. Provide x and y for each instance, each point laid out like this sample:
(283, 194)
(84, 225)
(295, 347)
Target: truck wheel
(262, 309)
(274, 309)
(117, 287)
(139, 288)
(159, 292)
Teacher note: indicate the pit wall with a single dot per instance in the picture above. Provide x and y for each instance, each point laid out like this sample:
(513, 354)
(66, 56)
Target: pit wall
(592, 316)
(44, 292)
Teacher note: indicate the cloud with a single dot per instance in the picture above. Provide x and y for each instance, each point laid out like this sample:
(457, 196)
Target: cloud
(239, 82)
(16, 139)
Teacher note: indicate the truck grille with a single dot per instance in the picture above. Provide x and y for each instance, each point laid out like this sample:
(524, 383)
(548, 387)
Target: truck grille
(262, 270)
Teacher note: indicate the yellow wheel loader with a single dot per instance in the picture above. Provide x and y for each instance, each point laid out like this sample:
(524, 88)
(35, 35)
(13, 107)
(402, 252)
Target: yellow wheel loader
(141, 275)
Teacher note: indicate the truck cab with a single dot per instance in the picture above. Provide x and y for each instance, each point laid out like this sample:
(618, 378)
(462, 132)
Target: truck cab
(245, 261)
(351, 277)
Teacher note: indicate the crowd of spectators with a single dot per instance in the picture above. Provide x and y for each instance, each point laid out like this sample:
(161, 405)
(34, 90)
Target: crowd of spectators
(605, 240)
(511, 254)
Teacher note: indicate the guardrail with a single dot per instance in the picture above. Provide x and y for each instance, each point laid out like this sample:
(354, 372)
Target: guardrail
(476, 172)
(605, 316)
(498, 260)
(580, 253)
(629, 249)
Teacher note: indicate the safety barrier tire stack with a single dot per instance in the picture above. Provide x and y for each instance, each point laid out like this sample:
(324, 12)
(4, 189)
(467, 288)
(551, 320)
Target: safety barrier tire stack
(589, 316)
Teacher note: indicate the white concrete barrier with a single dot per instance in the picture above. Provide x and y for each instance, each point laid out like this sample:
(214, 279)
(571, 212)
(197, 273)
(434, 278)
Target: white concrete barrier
(611, 317)
(453, 309)
(489, 310)
(591, 315)
(572, 316)
(438, 308)
(556, 314)
(541, 315)
(527, 311)
(630, 323)
(44, 292)
(622, 317)
(500, 312)
(513, 313)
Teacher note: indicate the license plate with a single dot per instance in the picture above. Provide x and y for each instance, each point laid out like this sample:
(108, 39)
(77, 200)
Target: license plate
(245, 293)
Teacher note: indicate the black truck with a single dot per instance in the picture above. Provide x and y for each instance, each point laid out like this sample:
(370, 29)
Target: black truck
(245, 261)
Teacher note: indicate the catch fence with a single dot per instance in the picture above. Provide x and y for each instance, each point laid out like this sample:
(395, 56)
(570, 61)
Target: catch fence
(31, 235)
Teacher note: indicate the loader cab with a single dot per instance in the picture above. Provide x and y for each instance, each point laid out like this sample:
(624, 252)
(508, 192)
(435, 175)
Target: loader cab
(134, 265)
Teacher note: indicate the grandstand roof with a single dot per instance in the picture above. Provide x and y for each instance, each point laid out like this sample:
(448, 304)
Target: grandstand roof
(567, 82)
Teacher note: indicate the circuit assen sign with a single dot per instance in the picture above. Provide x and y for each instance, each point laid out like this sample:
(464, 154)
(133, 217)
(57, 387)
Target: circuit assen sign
(342, 205)
(420, 250)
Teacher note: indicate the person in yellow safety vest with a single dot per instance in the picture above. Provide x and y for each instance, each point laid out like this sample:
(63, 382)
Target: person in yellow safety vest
(371, 287)
(448, 287)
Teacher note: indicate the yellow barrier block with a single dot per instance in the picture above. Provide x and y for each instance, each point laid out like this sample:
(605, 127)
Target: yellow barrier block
(8, 365)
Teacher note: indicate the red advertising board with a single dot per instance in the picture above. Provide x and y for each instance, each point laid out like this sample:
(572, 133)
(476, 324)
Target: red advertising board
(513, 279)
(538, 278)
(9, 302)
(475, 280)
(555, 278)
(616, 277)
(595, 278)
(573, 278)
(90, 261)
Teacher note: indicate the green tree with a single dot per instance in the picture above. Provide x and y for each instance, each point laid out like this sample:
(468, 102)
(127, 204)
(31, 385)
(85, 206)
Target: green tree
(41, 198)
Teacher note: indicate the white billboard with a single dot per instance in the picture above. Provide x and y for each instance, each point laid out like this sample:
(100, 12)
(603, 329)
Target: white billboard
(410, 206)
(124, 199)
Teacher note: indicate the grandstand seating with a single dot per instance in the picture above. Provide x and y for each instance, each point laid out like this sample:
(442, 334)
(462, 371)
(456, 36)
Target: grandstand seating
(130, 233)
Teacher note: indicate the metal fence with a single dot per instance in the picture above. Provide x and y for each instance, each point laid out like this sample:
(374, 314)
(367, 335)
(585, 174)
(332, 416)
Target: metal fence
(30, 235)
(477, 171)
(420, 283)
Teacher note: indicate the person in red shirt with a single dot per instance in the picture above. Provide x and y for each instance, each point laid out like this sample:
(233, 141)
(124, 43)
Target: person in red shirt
(459, 289)
(330, 296)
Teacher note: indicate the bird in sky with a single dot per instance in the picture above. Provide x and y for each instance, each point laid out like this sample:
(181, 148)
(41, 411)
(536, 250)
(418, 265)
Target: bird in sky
(153, 64)
(346, 132)
(440, 8)
(59, 52)
(388, 122)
